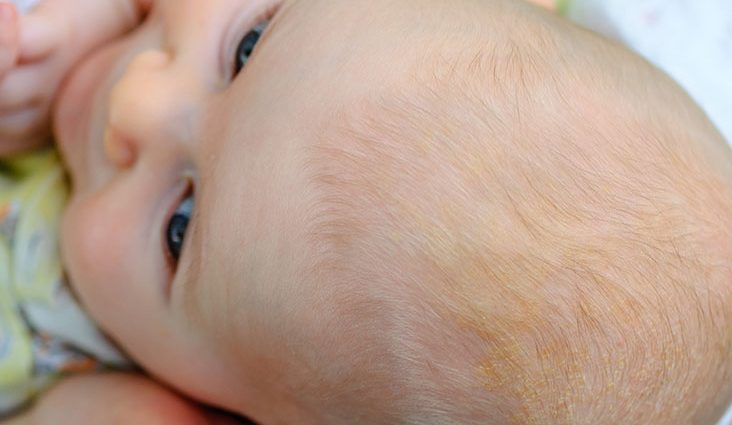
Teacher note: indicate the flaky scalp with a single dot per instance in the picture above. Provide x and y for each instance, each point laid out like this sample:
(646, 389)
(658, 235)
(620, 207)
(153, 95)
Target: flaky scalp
(535, 224)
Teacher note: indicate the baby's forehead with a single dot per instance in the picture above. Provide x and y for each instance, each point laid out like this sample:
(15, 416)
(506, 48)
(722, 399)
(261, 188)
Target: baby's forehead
(379, 102)
(408, 24)
(366, 48)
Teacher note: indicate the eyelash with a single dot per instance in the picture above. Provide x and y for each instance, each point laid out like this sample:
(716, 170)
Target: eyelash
(171, 258)
(249, 41)
(261, 24)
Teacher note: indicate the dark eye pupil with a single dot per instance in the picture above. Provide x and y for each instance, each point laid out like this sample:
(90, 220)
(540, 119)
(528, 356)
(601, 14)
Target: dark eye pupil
(176, 232)
(246, 46)
(176, 235)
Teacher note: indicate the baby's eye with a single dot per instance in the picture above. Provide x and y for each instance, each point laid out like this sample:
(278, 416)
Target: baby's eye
(176, 231)
(246, 46)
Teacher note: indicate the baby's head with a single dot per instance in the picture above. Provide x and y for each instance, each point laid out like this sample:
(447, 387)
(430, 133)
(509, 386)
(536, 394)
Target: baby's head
(404, 212)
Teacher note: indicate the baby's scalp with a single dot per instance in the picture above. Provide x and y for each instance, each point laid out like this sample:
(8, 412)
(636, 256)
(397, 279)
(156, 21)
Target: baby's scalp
(500, 227)
(536, 219)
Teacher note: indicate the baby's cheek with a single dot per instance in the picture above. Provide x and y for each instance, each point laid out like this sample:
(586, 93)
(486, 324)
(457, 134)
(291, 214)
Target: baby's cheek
(95, 255)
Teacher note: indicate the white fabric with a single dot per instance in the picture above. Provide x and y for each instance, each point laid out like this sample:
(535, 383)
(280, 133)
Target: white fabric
(727, 418)
(689, 39)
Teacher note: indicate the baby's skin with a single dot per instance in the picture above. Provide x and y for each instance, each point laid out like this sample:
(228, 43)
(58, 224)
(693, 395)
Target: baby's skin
(403, 212)
(38, 50)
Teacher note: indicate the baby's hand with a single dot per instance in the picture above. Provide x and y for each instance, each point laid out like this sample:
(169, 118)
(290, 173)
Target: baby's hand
(38, 50)
(33, 66)
(116, 398)
(9, 47)
(8, 37)
(548, 4)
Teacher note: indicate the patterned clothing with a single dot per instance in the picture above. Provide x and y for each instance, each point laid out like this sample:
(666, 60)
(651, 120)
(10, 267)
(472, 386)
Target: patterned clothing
(43, 331)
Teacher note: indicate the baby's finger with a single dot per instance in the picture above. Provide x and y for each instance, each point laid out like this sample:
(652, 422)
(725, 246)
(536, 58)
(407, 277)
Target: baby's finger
(39, 36)
(548, 4)
(19, 145)
(8, 37)
(24, 131)
(25, 123)
(21, 88)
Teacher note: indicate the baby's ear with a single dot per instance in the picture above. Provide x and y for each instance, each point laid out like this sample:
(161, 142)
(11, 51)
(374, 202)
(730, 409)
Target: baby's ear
(8, 37)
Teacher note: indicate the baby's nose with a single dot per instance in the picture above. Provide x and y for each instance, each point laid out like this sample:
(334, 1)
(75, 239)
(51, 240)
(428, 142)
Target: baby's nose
(151, 110)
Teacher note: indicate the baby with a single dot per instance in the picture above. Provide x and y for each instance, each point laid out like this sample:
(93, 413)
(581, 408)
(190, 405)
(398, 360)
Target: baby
(395, 212)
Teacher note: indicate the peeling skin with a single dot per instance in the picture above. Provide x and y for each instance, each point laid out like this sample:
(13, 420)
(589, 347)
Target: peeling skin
(558, 324)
